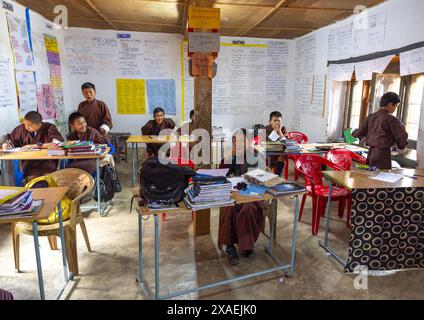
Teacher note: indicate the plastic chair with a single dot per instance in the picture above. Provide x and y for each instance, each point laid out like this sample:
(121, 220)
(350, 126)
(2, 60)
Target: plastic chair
(343, 158)
(80, 184)
(299, 137)
(310, 166)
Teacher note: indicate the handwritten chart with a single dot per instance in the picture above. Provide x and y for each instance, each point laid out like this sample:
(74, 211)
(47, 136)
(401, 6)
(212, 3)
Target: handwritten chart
(20, 44)
(131, 96)
(161, 93)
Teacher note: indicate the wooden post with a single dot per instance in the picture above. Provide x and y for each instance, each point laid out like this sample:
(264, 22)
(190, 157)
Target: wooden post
(203, 106)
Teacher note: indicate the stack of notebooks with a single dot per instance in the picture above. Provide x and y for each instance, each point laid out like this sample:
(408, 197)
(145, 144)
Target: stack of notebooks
(20, 205)
(208, 192)
(291, 146)
(79, 148)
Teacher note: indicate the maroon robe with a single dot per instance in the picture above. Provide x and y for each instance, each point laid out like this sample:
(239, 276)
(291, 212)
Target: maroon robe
(241, 223)
(21, 137)
(152, 129)
(96, 114)
(272, 160)
(381, 132)
(91, 134)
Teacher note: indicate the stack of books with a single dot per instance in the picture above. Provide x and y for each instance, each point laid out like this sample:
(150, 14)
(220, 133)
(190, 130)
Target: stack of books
(81, 148)
(263, 178)
(208, 192)
(21, 205)
(291, 146)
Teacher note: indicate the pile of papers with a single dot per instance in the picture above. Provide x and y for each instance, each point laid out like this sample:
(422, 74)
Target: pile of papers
(20, 205)
(263, 178)
(208, 191)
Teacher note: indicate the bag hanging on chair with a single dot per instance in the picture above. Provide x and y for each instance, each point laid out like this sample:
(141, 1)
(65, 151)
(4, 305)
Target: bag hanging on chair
(65, 202)
(107, 187)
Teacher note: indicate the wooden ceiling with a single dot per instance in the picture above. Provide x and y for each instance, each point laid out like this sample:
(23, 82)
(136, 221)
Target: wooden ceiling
(282, 19)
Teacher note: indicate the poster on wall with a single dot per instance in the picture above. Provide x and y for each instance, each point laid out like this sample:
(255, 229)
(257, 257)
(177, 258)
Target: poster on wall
(27, 92)
(19, 40)
(42, 72)
(46, 102)
(161, 93)
(131, 96)
(6, 87)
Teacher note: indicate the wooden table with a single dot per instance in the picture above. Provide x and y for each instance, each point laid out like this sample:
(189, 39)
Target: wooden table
(43, 155)
(387, 220)
(135, 140)
(142, 211)
(51, 197)
(277, 149)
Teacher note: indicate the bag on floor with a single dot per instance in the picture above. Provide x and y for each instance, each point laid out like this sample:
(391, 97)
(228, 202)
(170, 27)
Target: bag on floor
(107, 188)
(163, 183)
(65, 203)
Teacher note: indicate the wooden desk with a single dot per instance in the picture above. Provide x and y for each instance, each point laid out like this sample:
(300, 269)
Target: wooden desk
(141, 211)
(43, 155)
(51, 197)
(387, 221)
(273, 148)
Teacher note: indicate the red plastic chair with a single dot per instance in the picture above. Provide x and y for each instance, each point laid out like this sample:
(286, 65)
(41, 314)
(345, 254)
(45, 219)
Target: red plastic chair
(310, 166)
(299, 137)
(343, 158)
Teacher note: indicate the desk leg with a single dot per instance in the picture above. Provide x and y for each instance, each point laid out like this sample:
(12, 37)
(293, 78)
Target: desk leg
(327, 226)
(293, 249)
(136, 155)
(38, 258)
(140, 248)
(157, 287)
(62, 243)
(133, 165)
(272, 223)
(99, 200)
(222, 149)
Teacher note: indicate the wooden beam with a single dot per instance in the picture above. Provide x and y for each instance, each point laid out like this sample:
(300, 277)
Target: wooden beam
(185, 18)
(266, 16)
(93, 7)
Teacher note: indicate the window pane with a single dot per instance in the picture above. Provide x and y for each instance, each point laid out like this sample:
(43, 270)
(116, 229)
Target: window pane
(385, 83)
(356, 104)
(414, 106)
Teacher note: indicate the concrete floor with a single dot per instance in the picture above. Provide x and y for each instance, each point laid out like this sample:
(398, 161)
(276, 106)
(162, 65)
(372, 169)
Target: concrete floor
(109, 271)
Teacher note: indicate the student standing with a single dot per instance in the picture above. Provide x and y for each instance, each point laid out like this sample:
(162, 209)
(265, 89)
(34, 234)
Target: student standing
(34, 133)
(95, 112)
(154, 127)
(276, 125)
(382, 131)
(81, 131)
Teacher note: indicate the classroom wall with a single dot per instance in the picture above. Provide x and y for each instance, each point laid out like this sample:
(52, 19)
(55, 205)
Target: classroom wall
(402, 25)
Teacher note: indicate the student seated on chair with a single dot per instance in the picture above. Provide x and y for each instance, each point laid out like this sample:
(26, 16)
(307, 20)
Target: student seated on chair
(82, 132)
(242, 223)
(383, 131)
(276, 125)
(95, 112)
(32, 134)
(154, 127)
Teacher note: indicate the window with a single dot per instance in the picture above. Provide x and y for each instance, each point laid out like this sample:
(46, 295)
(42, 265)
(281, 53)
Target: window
(385, 83)
(410, 114)
(355, 105)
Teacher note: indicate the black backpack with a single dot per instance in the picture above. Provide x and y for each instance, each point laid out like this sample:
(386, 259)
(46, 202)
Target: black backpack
(107, 188)
(163, 183)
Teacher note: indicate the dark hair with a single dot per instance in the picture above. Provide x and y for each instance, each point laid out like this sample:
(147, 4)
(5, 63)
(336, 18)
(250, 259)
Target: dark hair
(276, 114)
(389, 97)
(88, 85)
(157, 110)
(191, 114)
(74, 116)
(34, 117)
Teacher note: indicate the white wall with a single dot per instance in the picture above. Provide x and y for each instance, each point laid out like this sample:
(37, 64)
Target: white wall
(403, 26)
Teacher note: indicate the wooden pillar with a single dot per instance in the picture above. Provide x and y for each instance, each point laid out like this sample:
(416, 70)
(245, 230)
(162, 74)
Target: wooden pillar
(203, 106)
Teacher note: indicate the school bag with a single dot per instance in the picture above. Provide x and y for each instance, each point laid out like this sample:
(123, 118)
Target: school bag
(107, 185)
(65, 202)
(163, 183)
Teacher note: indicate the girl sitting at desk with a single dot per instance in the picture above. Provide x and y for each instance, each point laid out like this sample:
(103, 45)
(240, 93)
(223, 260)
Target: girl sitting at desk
(242, 223)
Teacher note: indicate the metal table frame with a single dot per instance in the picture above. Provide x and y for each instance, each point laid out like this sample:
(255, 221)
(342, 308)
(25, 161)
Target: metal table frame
(269, 251)
(99, 204)
(324, 244)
